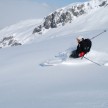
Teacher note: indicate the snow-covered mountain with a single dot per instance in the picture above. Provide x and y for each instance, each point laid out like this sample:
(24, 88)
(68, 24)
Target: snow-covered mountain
(72, 83)
(68, 14)
(71, 15)
(19, 33)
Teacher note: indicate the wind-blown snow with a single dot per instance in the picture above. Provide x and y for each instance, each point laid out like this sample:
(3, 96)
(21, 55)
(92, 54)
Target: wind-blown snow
(26, 84)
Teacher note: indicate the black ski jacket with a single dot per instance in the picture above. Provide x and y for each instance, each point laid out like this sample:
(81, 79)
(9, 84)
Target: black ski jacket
(84, 46)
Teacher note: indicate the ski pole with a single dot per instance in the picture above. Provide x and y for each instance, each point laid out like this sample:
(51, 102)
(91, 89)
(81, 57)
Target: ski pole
(93, 61)
(98, 35)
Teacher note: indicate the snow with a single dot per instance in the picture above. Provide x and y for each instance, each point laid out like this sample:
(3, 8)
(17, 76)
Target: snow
(22, 31)
(72, 84)
(106, 64)
(24, 83)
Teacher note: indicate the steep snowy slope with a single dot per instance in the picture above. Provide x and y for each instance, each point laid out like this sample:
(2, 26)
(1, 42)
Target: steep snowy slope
(69, 13)
(77, 83)
(20, 32)
(24, 83)
(71, 17)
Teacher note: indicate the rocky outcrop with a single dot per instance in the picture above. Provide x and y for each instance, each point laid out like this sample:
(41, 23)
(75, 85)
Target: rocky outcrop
(67, 15)
(9, 41)
(60, 17)
(104, 3)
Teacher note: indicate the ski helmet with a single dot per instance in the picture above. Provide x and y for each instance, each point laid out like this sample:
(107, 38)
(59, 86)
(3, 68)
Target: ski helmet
(80, 38)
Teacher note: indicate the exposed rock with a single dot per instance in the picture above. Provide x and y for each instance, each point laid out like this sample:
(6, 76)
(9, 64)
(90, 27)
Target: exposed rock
(37, 29)
(67, 15)
(60, 17)
(9, 41)
(103, 3)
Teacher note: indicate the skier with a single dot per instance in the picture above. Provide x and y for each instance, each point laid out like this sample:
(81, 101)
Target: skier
(84, 46)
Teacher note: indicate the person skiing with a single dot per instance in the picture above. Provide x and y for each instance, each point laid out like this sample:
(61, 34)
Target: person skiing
(84, 46)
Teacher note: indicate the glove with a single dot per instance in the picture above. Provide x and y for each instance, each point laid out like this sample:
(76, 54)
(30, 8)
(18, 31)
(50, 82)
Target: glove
(81, 54)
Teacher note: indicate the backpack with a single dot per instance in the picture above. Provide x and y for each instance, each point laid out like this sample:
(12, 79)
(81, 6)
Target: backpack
(87, 45)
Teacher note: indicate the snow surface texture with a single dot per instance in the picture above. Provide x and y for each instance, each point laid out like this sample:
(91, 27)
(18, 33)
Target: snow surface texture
(26, 84)
(63, 59)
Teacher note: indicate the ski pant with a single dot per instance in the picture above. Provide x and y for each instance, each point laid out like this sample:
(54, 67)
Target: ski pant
(74, 54)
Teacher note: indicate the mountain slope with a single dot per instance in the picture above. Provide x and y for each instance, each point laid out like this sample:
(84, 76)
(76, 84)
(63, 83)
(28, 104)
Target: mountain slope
(68, 14)
(24, 83)
(78, 83)
(21, 32)
(71, 17)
